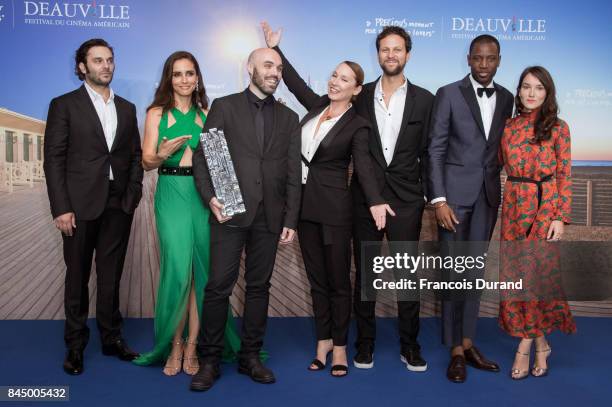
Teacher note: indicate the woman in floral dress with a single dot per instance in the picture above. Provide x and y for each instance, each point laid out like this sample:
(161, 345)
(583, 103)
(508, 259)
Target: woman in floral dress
(535, 151)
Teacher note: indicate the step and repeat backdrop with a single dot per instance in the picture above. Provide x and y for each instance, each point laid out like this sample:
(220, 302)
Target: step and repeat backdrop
(38, 40)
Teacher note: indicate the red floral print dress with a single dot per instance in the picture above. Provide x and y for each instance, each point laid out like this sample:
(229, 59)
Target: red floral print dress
(523, 218)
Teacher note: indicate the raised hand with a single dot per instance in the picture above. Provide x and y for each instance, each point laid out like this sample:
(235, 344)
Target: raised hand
(272, 37)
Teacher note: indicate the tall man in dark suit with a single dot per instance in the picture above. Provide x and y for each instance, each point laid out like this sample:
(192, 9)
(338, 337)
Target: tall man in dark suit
(467, 123)
(263, 138)
(399, 112)
(94, 180)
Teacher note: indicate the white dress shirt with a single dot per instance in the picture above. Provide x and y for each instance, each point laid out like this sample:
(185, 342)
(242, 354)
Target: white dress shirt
(389, 118)
(311, 141)
(107, 113)
(486, 105)
(487, 109)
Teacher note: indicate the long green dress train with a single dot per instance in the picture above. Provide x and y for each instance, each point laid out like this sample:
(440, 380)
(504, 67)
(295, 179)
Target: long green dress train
(184, 242)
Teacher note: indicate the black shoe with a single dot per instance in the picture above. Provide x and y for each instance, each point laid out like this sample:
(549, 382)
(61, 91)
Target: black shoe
(256, 370)
(205, 377)
(120, 349)
(413, 360)
(73, 364)
(456, 371)
(364, 359)
(474, 358)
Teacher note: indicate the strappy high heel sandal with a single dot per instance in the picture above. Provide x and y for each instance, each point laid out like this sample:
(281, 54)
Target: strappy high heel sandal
(541, 371)
(317, 365)
(339, 370)
(170, 370)
(518, 374)
(189, 366)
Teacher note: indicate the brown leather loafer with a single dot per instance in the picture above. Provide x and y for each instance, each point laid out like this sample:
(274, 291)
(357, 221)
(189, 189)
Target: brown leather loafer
(456, 369)
(474, 358)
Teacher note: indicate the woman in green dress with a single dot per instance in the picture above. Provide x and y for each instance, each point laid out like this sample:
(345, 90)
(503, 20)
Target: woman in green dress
(172, 128)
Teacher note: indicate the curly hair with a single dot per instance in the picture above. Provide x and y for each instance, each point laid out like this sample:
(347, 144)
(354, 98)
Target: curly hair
(391, 30)
(80, 56)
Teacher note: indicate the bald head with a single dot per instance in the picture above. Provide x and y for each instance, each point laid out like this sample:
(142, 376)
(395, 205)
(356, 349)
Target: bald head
(265, 69)
(261, 54)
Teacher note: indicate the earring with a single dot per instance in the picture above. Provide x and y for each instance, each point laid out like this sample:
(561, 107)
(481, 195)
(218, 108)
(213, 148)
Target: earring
(197, 89)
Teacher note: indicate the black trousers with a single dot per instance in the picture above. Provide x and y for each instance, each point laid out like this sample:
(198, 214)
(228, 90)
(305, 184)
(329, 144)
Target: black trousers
(476, 224)
(108, 236)
(326, 251)
(226, 245)
(405, 227)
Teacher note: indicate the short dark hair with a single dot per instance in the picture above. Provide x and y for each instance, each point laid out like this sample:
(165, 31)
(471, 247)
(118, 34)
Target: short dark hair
(81, 54)
(394, 29)
(485, 38)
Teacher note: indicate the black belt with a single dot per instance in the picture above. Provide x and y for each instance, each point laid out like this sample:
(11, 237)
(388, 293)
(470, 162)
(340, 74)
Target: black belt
(532, 181)
(175, 171)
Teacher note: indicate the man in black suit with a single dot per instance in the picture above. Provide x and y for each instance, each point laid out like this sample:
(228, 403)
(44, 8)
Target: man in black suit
(467, 123)
(263, 138)
(94, 180)
(399, 112)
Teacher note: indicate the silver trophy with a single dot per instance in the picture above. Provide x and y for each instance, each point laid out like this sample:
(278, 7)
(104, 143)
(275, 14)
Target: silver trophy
(222, 173)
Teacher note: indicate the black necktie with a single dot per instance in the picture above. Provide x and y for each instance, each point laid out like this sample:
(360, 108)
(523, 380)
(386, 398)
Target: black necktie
(259, 124)
(488, 91)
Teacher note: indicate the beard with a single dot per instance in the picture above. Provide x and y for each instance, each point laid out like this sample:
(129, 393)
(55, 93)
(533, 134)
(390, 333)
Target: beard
(95, 78)
(260, 82)
(395, 71)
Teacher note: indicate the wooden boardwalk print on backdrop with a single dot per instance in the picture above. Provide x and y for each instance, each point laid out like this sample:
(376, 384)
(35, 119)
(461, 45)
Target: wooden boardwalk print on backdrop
(32, 266)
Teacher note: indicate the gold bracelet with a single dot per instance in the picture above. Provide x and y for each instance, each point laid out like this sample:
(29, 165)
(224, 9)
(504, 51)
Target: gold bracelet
(441, 204)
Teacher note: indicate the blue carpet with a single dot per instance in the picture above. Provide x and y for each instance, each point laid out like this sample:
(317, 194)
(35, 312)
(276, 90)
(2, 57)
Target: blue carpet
(31, 353)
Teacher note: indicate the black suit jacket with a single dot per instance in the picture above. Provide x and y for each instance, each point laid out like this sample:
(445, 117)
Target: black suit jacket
(77, 158)
(403, 181)
(326, 196)
(461, 158)
(272, 176)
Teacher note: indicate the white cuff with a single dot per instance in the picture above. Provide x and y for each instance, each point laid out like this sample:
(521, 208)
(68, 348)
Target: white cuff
(440, 199)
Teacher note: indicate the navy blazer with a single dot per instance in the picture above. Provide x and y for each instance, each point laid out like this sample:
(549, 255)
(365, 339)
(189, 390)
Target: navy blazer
(461, 158)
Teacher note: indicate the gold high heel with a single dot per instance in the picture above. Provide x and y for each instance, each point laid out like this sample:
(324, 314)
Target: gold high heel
(541, 371)
(174, 370)
(518, 374)
(188, 366)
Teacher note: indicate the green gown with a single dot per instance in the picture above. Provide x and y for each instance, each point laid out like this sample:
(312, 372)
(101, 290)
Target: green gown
(184, 243)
